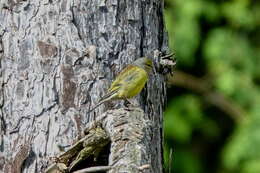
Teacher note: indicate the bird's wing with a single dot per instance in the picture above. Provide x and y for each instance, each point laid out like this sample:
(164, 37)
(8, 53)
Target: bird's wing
(105, 98)
(123, 77)
(108, 96)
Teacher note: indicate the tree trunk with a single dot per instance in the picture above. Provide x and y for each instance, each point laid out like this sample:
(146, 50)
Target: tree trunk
(57, 59)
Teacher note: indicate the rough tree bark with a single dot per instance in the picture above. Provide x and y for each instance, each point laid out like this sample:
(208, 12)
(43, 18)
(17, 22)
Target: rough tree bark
(57, 58)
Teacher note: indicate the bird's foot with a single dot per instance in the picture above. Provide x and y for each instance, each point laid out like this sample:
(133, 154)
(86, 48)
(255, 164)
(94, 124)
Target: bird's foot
(131, 103)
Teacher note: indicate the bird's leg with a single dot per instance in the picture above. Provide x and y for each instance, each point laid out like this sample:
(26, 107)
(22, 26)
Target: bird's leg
(117, 105)
(131, 102)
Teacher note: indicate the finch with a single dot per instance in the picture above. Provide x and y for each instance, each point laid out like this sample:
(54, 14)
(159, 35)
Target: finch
(129, 82)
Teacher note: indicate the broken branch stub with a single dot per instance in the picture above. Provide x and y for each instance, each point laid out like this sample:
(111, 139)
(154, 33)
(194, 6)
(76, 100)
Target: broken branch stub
(129, 133)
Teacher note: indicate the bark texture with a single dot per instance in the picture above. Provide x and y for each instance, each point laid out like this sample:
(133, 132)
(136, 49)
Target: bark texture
(130, 135)
(57, 58)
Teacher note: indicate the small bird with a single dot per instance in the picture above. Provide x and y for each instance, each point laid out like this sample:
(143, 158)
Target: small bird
(129, 82)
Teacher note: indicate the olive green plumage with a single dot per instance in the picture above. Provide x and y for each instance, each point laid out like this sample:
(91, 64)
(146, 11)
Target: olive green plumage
(129, 82)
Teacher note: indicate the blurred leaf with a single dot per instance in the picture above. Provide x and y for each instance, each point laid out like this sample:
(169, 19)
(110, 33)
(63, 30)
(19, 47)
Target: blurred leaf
(210, 11)
(252, 166)
(238, 13)
(209, 128)
(220, 39)
(226, 82)
(181, 117)
(185, 40)
(225, 47)
(244, 144)
(190, 161)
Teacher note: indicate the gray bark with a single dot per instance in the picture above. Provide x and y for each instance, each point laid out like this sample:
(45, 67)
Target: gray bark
(131, 134)
(57, 59)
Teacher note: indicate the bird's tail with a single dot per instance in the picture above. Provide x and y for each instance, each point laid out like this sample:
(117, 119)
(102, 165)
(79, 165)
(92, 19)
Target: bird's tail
(104, 99)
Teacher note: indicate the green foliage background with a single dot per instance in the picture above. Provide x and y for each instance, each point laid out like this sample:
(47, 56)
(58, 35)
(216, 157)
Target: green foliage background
(217, 42)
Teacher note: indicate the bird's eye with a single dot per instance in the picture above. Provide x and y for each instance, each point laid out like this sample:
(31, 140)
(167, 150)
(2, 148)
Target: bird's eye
(149, 65)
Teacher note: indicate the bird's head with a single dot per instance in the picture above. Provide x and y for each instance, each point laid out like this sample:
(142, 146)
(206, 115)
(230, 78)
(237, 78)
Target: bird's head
(145, 63)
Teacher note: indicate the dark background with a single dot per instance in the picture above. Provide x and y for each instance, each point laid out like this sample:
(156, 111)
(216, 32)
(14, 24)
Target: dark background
(212, 120)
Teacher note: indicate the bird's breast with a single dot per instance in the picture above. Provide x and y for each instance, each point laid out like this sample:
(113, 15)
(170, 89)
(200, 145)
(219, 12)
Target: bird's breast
(133, 83)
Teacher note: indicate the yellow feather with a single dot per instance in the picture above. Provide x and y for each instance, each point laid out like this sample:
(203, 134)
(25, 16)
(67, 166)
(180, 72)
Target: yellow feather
(129, 82)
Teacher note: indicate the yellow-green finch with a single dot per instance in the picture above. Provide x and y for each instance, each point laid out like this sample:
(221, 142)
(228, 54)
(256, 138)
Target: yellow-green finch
(129, 82)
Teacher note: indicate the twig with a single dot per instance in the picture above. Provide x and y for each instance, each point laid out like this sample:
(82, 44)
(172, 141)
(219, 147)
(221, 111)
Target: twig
(141, 168)
(94, 169)
(167, 56)
(195, 84)
(170, 161)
